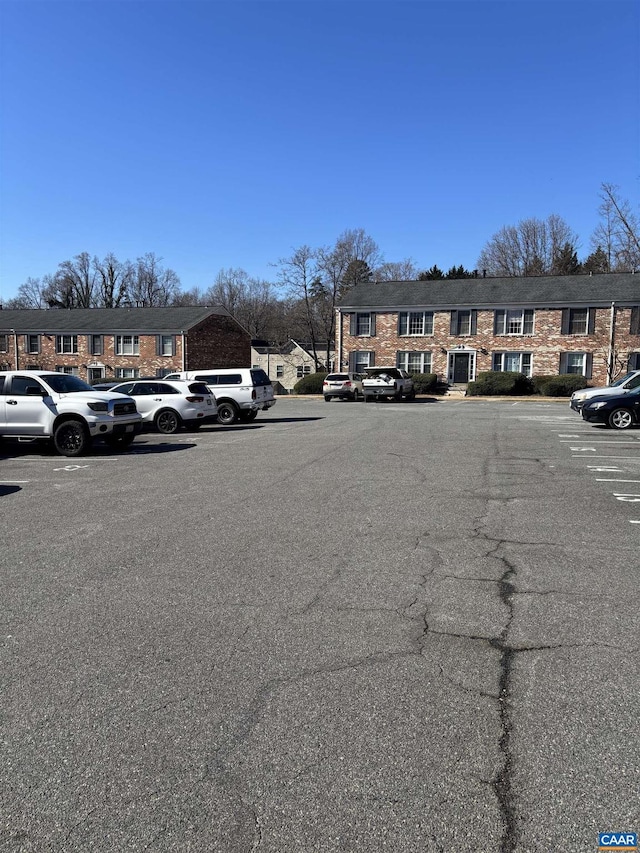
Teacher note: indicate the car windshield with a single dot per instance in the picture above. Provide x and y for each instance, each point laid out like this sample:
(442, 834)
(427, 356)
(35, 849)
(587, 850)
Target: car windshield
(622, 380)
(65, 383)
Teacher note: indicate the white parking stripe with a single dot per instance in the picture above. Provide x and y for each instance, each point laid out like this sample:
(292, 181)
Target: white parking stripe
(600, 480)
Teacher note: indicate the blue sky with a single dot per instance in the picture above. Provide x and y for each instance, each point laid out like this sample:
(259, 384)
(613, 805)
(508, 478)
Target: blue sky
(226, 134)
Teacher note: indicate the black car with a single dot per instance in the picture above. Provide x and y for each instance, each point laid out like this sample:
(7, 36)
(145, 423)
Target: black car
(621, 411)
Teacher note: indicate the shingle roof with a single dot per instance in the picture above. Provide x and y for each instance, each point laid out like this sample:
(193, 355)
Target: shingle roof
(170, 320)
(542, 291)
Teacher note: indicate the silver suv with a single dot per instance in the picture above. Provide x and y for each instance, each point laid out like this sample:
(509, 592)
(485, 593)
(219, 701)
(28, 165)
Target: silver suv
(629, 382)
(344, 386)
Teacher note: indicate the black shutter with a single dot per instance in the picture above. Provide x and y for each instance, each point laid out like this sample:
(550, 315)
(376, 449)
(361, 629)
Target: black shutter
(352, 363)
(564, 327)
(635, 321)
(158, 345)
(474, 322)
(499, 320)
(453, 326)
(372, 359)
(588, 366)
(352, 324)
(173, 344)
(372, 326)
(591, 320)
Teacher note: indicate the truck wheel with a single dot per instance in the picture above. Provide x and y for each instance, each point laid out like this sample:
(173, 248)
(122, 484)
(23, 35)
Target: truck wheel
(250, 415)
(167, 421)
(71, 438)
(227, 413)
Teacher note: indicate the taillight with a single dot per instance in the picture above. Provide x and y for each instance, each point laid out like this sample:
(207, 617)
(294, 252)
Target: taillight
(347, 384)
(195, 399)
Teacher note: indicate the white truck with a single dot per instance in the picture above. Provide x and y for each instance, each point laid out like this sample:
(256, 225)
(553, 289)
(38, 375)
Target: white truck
(43, 404)
(390, 383)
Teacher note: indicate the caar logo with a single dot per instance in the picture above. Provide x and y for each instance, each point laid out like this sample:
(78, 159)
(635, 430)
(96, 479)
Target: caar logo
(618, 841)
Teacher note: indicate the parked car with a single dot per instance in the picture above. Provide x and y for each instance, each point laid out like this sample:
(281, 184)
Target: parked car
(619, 411)
(240, 391)
(626, 383)
(390, 383)
(344, 386)
(106, 386)
(168, 405)
(64, 409)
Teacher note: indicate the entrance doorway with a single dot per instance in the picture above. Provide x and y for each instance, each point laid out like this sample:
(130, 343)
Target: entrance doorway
(461, 367)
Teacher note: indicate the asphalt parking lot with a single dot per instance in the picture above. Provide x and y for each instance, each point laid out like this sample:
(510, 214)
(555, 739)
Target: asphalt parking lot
(401, 626)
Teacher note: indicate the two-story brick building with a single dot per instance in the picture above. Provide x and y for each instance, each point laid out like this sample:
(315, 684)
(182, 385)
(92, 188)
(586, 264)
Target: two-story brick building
(545, 325)
(122, 343)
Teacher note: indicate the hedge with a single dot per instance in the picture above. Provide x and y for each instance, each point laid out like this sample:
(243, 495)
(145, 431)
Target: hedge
(500, 383)
(559, 386)
(425, 383)
(311, 384)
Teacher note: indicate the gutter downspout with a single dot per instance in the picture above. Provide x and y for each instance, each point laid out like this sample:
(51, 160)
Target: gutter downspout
(339, 353)
(184, 354)
(610, 359)
(15, 348)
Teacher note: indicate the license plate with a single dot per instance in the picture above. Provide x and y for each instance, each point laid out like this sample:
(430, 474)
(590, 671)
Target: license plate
(129, 428)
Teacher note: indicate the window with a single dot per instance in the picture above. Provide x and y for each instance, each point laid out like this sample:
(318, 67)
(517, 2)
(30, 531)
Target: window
(127, 345)
(161, 372)
(363, 324)
(634, 361)
(463, 322)
(32, 344)
(415, 323)
(518, 362)
(67, 344)
(96, 345)
(414, 362)
(165, 345)
(70, 371)
(19, 385)
(576, 362)
(359, 360)
(513, 322)
(303, 370)
(577, 321)
(4, 343)
(127, 373)
(279, 371)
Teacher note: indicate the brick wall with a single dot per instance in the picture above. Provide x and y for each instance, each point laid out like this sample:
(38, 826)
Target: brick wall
(546, 344)
(218, 341)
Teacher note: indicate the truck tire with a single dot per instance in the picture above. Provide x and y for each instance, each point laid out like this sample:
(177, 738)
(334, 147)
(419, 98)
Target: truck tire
(71, 438)
(227, 413)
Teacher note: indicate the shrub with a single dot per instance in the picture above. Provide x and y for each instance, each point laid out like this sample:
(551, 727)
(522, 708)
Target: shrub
(500, 383)
(562, 385)
(311, 384)
(425, 383)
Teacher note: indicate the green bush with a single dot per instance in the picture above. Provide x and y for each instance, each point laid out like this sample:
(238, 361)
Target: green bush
(425, 383)
(500, 384)
(562, 385)
(311, 384)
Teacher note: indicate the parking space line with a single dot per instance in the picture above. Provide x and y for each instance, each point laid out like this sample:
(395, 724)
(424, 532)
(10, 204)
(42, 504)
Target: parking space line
(602, 480)
(626, 458)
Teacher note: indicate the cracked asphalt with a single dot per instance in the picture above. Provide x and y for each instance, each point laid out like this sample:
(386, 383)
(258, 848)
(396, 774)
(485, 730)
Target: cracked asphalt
(394, 627)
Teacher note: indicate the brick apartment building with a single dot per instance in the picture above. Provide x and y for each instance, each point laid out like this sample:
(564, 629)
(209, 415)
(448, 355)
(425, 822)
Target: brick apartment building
(585, 324)
(103, 344)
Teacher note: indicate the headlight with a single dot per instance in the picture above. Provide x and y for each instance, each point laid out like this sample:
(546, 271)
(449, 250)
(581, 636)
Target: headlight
(597, 405)
(577, 397)
(98, 407)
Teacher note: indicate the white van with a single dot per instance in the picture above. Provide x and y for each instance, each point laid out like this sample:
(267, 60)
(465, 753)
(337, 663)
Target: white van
(240, 392)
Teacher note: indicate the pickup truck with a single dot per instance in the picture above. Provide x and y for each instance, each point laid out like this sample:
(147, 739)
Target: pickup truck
(389, 383)
(59, 407)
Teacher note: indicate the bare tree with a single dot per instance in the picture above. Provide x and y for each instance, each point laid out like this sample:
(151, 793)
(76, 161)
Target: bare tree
(113, 280)
(251, 301)
(618, 233)
(34, 293)
(299, 275)
(75, 283)
(404, 270)
(529, 248)
(151, 284)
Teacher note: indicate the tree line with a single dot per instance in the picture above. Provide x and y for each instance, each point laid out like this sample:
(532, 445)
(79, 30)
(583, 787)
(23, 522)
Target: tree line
(300, 301)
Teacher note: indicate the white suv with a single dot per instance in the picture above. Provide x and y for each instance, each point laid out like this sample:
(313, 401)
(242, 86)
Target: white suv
(166, 406)
(240, 392)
